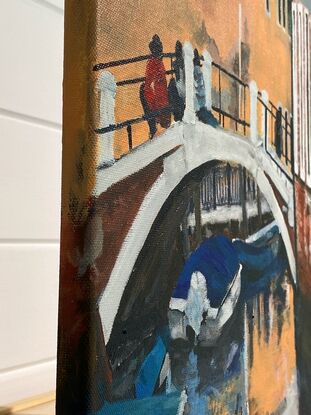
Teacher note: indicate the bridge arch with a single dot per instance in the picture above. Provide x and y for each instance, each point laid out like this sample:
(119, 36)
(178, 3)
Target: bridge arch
(195, 145)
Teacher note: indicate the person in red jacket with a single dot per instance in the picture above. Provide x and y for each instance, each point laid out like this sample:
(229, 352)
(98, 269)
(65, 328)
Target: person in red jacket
(155, 88)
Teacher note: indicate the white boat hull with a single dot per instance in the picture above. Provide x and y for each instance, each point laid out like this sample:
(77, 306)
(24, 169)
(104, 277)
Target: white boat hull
(196, 312)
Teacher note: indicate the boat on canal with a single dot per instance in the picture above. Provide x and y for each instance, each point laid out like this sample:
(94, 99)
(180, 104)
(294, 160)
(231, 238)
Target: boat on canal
(206, 292)
(213, 279)
(209, 285)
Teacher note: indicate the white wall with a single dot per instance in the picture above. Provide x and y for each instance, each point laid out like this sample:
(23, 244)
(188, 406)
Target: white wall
(31, 42)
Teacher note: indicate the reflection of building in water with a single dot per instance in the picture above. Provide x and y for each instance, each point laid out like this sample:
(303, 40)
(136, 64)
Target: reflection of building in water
(222, 379)
(252, 368)
(272, 356)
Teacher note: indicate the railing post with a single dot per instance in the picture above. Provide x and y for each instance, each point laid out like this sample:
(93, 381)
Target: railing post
(107, 87)
(207, 76)
(286, 137)
(130, 137)
(229, 172)
(253, 110)
(265, 118)
(189, 114)
(292, 146)
(214, 202)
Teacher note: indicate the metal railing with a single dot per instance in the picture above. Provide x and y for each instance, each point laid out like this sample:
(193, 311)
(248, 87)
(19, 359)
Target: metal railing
(222, 187)
(139, 80)
(278, 135)
(277, 126)
(217, 107)
(240, 117)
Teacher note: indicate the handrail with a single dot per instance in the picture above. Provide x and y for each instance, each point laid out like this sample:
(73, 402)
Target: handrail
(270, 103)
(100, 66)
(141, 79)
(231, 75)
(232, 117)
(137, 120)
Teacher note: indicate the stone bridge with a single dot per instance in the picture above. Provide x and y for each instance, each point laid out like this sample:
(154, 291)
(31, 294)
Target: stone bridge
(131, 192)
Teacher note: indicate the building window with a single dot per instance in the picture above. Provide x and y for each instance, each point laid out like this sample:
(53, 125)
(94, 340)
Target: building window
(280, 11)
(268, 6)
(283, 10)
(284, 13)
(289, 17)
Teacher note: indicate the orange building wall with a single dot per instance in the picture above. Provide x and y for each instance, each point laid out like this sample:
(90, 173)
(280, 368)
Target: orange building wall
(274, 362)
(213, 25)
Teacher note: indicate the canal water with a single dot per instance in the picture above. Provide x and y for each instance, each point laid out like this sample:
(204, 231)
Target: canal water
(251, 368)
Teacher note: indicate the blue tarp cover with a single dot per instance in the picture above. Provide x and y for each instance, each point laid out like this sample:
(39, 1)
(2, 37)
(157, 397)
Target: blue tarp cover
(252, 256)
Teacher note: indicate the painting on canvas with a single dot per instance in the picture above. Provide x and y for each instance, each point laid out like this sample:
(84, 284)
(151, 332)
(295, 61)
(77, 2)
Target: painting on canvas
(185, 282)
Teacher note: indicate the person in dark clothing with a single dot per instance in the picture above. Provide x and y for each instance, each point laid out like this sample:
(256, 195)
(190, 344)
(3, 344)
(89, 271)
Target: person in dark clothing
(151, 121)
(199, 93)
(154, 94)
(176, 88)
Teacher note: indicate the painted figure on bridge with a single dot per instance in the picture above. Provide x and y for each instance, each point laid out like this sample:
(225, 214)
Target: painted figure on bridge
(177, 87)
(200, 97)
(155, 87)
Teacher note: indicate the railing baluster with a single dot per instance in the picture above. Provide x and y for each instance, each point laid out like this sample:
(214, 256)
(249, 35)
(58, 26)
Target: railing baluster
(266, 128)
(207, 75)
(229, 183)
(129, 136)
(292, 147)
(244, 109)
(219, 94)
(286, 139)
(253, 110)
(264, 100)
(189, 114)
(107, 87)
(214, 190)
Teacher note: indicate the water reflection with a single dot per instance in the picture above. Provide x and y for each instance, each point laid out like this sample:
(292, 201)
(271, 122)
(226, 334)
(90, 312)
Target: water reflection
(251, 369)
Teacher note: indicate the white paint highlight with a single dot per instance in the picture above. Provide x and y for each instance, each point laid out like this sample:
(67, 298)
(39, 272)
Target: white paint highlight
(207, 76)
(263, 231)
(226, 213)
(292, 397)
(197, 301)
(212, 329)
(107, 87)
(182, 403)
(253, 109)
(265, 119)
(189, 114)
